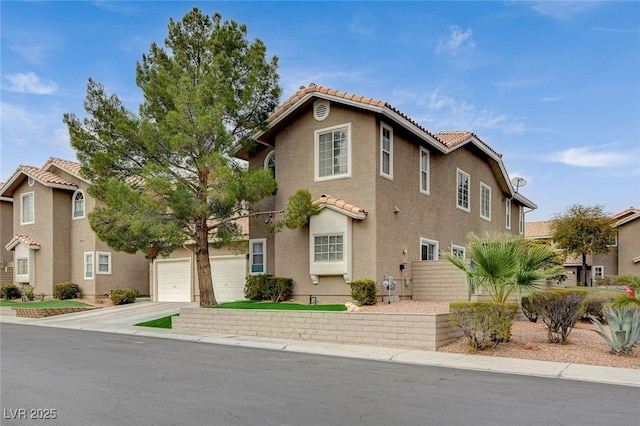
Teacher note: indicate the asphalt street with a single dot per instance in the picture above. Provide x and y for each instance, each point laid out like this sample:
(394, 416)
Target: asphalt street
(92, 378)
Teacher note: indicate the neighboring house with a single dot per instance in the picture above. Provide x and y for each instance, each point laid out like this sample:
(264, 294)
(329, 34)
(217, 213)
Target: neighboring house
(50, 239)
(390, 193)
(6, 233)
(623, 257)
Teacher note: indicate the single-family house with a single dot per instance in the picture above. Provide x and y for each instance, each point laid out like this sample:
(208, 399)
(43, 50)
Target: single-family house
(623, 257)
(50, 239)
(390, 192)
(6, 233)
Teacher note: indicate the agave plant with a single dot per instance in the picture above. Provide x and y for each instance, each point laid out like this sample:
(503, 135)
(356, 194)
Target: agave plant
(624, 324)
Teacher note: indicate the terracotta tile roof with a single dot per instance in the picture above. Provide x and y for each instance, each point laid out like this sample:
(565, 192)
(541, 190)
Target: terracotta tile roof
(626, 216)
(453, 138)
(541, 229)
(70, 166)
(46, 178)
(24, 239)
(341, 206)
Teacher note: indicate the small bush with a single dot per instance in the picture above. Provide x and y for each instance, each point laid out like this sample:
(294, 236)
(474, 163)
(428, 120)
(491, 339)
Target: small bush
(279, 288)
(597, 300)
(560, 311)
(27, 291)
(257, 287)
(632, 281)
(123, 296)
(529, 309)
(66, 290)
(365, 292)
(10, 291)
(483, 322)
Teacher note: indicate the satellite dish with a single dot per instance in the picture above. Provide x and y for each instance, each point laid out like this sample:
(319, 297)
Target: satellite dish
(518, 182)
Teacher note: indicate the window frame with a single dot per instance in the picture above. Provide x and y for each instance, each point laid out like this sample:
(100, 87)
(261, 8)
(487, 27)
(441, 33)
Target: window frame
(429, 242)
(521, 220)
(89, 273)
(599, 276)
(388, 174)
(267, 160)
(466, 206)
(31, 196)
(317, 134)
(426, 189)
(98, 264)
(507, 218)
(485, 201)
(73, 205)
(463, 249)
(252, 253)
(22, 261)
(329, 244)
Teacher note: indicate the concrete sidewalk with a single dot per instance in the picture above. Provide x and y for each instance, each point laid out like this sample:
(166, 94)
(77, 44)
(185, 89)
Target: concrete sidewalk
(121, 319)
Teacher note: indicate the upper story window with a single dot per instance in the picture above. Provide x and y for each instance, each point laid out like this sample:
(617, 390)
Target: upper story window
(462, 200)
(270, 163)
(386, 151)
(27, 211)
(458, 251)
(333, 152)
(104, 263)
(428, 249)
(424, 171)
(521, 220)
(507, 212)
(257, 256)
(485, 201)
(78, 205)
(328, 247)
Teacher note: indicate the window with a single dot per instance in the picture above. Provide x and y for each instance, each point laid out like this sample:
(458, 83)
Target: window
(257, 252)
(333, 152)
(428, 249)
(104, 263)
(386, 151)
(614, 242)
(485, 201)
(521, 220)
(270, 163)
(457, 251)
(463, 190)
(507, 207)
(78, 205)
(598, 272)
(88, 266)
(424, 171)
(27, 213)
(328, 247)
(22, 266)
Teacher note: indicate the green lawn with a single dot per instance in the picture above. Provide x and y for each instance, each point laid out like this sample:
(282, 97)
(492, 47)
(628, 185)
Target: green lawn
(164, 322)
(252, 304)
(47, 304)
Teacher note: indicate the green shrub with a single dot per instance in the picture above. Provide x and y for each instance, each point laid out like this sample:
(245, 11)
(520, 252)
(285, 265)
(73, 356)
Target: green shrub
(27, 291)
(279, 288)
(10, 291)
(66, 290)
(257, 287)
(596, 301)
(560, 311)
(632, 281)
(626, 300)
(122, 296)
(483, 322)
(365, 292)
(529, 309)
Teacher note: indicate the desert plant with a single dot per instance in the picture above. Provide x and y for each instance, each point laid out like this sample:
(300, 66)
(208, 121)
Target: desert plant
(632, 281)
(365, 292)
(596, 301)
(560, 310)
(529, 309)
(626, 300)
(10, 291)
(624, 325)
(66, 290)
(483, 322)
(123, 296)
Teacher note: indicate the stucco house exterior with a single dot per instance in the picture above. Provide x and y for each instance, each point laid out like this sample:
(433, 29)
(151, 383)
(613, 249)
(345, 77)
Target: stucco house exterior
(623, 257)
(49, 237)
(390, 192)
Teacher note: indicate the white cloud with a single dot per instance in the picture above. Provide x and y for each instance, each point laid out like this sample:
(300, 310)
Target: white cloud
(30, 83)
(589, 156)
(563, 9)
(458, 42)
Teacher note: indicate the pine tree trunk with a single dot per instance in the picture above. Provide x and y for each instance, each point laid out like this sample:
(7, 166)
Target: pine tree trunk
(203, 265)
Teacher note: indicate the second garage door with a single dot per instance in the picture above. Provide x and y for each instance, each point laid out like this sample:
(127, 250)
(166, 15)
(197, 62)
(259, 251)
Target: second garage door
(174, 280)
(228, 274)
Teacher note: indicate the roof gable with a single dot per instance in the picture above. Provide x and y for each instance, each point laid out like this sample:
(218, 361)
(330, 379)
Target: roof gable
(340, 206)
(22, 239)
(41, 176)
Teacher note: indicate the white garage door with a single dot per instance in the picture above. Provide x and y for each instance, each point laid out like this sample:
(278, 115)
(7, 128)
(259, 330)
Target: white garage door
(174, 280)
(228, 274)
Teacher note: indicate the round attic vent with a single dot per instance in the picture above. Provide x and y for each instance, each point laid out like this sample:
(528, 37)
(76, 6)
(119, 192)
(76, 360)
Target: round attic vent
(320, 110)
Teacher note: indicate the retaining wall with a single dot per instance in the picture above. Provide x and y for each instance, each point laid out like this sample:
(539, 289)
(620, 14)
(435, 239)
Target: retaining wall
(413, 331)
(46, 312)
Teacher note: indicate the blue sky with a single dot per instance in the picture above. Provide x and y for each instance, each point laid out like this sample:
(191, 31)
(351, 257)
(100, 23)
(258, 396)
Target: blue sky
(553, 86)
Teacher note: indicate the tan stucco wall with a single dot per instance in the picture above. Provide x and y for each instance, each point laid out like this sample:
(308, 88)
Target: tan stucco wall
(6, 234)
(629, 248)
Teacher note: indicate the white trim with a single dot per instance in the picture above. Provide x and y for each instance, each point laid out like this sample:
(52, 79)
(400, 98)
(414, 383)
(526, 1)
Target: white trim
(507, 213)
(388, 175)
(73, 205)
(267, 158)
(426, 241)
(321, 109)
(601, 275)
(262, 241)
(93, 266)
(484, 186)
(463, 249)
(427, 172)
(316, 149)
(97, 263)
(33, 208)
(521, 220)
(468, 176)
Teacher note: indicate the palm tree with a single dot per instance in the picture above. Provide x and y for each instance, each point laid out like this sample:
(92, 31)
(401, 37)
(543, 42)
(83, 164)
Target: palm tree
(503, 263)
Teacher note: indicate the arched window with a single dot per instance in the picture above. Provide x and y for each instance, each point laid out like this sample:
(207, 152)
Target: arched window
(78, 205)
(270, 163)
